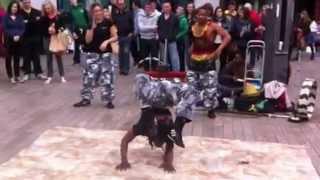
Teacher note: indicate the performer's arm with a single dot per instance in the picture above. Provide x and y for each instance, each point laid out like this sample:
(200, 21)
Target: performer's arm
(124, 165)
(226, 38)
(90, 32)
(167, 164)
(112, 39)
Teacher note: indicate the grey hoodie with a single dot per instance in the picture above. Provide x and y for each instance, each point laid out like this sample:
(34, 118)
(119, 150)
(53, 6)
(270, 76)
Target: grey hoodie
(147, 25)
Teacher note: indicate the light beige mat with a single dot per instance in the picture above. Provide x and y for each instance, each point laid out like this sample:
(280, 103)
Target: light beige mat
(80, 154)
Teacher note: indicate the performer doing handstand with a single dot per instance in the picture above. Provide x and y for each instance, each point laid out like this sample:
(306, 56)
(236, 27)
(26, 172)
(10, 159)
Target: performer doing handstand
(156, 121)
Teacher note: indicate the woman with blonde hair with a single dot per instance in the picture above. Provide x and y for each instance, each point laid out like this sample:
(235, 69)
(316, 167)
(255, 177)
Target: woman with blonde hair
(51, 25)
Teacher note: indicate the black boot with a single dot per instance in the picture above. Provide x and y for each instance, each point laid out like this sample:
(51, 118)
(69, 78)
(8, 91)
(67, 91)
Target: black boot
(211, 114)
(312, 52)
(179, 124)
(110, 105)
(82, 103)
(312, 56)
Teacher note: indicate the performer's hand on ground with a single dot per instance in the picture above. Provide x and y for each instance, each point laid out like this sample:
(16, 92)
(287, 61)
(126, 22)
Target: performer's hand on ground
(123, 166)
(168, 168)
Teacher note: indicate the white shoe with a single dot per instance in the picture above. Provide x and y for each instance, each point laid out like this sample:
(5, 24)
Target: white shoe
(41, 76)
(20, 80)
(48, 81)
(13, 81)
(63, 80)
(26, 77)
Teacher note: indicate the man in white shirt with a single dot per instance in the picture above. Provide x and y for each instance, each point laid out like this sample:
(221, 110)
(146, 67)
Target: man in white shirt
(148, 31)
(315, 36)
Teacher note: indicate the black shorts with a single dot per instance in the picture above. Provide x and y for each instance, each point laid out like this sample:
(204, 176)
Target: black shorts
(146, 125)
(202, 66)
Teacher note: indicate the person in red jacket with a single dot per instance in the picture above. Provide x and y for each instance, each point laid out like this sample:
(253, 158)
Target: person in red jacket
(254, 15)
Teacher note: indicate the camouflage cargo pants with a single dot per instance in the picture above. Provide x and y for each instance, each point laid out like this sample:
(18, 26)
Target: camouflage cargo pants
(206, 84)
(164, 94)
(98, 71)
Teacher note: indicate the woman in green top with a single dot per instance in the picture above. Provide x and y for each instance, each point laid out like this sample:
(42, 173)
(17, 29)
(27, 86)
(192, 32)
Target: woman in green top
(182, 36)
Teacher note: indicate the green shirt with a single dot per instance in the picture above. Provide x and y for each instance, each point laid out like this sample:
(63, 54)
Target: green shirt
(183, 27)
(79, 18)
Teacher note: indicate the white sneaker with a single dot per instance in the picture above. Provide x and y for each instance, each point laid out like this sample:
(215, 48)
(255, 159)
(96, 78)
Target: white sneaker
(63, 80)
(20, 80)
(13, 81)
(41, 76)
(26, 77)
(48, 81)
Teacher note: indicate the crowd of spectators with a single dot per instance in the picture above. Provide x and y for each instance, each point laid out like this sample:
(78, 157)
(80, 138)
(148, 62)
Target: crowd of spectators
(145, 29)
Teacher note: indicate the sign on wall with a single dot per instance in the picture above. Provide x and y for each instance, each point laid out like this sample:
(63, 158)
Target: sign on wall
(215, 3)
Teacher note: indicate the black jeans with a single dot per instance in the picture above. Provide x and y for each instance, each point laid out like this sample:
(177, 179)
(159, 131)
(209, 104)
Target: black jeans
(16, 65)
(32, 56)
(124, 54)
(76, 55)
(182, 50)
(50, 65)
(80, 32)
(149, 47)
(46, 42)
(135, 49)
(14, 54)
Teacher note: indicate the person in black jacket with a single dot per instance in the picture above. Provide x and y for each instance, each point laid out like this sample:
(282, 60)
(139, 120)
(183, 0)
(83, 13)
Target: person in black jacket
(32, 41)
(14, 28)
(168, 28)
(124, 21)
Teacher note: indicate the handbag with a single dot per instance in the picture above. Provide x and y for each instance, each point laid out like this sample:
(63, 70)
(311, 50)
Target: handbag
(59, 42)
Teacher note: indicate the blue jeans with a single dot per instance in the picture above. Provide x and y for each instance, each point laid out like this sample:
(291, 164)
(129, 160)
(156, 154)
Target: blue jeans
(124, 54)
(172, 51)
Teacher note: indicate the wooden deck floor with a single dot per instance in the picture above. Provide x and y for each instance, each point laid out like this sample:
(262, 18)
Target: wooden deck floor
(27, 110)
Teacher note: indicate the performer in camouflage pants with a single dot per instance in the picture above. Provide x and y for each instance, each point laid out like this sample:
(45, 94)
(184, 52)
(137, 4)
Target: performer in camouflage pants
(164, 94)
(98, 71)
(204, 53)
(98, 66)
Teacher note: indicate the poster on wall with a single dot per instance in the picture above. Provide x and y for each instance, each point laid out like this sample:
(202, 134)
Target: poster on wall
(38, 3)
(215, 3)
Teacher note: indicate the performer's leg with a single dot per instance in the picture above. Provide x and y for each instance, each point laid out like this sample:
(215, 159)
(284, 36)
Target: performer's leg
(107, 80)
(189, 97)
(209, 94)
(192, 78)
(89, 74)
